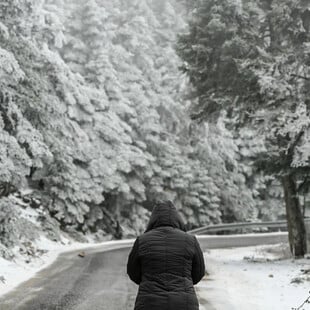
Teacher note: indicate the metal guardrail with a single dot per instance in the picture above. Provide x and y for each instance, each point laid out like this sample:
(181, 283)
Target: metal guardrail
(208, 242)
(236, 226)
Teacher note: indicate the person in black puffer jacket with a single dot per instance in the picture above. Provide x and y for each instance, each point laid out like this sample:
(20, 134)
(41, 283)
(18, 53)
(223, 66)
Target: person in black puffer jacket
(166, 262)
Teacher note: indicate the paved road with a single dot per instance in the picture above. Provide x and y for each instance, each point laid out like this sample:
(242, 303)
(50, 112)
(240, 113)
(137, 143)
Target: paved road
(99, 280)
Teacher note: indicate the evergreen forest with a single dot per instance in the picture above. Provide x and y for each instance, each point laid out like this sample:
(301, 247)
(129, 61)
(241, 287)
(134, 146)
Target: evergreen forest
(108, 106)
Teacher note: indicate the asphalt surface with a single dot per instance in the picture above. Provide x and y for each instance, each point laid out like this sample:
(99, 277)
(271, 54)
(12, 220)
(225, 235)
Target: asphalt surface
(98, 281)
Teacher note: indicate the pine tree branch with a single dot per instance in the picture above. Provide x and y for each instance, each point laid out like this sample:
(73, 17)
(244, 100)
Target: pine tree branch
(300, 76)
(307, 301)
(303, 184)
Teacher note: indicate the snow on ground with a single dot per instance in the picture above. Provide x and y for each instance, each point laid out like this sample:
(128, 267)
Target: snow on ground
(256, 278)
(13, 273)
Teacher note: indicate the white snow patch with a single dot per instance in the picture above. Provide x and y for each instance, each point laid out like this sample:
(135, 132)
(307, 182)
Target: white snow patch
(252, 278)
(26, 191)
(29, 214)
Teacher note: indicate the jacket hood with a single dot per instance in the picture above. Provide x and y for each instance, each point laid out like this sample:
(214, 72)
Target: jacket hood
(165, 214)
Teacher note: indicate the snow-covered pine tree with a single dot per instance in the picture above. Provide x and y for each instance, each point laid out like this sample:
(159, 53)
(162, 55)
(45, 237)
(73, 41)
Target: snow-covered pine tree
(52, 30)
(250, 59)
(103, 130)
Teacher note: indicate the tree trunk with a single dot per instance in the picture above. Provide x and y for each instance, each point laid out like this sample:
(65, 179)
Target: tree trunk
(295, 221)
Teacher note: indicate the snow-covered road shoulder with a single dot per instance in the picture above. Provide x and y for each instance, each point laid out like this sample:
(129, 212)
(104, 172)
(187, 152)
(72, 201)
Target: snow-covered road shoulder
(254, 278)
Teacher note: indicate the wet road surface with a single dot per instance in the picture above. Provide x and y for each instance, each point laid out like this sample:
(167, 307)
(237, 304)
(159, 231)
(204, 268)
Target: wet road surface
(97, 281)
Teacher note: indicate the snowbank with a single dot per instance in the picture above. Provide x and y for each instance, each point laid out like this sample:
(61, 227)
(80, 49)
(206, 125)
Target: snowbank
(253, 278)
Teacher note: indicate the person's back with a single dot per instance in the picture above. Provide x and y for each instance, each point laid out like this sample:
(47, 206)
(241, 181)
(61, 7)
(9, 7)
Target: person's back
(166, 261)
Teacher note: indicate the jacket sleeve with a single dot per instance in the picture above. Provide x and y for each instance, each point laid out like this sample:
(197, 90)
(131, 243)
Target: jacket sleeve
(134, 264)
(198, 264)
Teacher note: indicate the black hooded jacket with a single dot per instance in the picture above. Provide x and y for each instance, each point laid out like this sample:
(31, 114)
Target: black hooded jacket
(166, 262)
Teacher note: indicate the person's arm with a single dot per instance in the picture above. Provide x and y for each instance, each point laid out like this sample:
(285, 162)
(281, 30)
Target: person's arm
(198, 264)
(133, 264)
